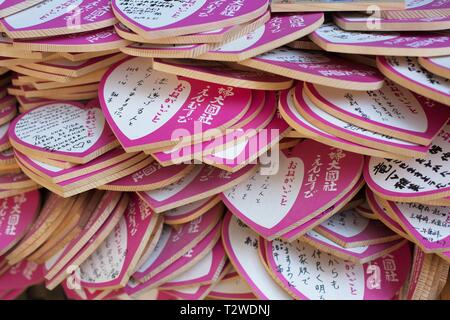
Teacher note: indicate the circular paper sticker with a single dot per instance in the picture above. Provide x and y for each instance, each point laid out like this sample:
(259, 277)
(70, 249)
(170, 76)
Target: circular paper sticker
(332, 38)
(163, 19)
(323, 276)
(437, 65)
(408, 72)
(56, 17)
(317, 67)
(308, 181)
(392, 110)
(66, 131)
(278, 31)
(413, 179)
(145, 107)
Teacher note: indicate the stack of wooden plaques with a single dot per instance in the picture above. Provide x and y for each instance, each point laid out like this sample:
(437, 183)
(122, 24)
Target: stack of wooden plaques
(57, 50)
(68, 148)
(226, 149)
(38, 83)
(12, 180)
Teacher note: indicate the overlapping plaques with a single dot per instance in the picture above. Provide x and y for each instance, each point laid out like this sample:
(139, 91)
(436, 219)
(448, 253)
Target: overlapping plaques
(50, 18)
(410, 180)
(182, 101)
(332, 38)
(276, 32)
(317, 67)
(294, 184)
(225, 149)
(408, 72)
(359, 21)
(162, 20)
(334, 5)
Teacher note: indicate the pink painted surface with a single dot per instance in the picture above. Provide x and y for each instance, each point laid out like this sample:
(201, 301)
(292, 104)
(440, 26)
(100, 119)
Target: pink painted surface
(321, 64)
(84, 133)
(21, 276)
(378, 280)
(306, 184)
(60, 14)
(412, 178)
(172, 241)
(18, 213)
(182, 103)
(183, 15)
(198, 182)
